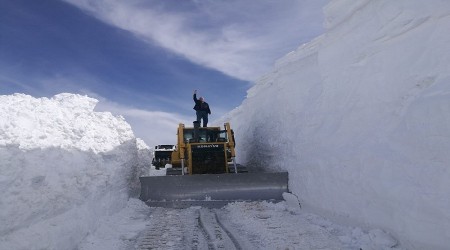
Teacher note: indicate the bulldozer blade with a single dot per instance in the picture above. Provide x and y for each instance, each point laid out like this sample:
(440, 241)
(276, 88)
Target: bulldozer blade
(212, 190)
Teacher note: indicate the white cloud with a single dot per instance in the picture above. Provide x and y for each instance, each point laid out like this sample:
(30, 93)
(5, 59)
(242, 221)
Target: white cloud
(239, 38)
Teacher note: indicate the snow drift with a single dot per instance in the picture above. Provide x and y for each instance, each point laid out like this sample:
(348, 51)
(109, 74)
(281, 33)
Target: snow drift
(63, 166)
(360, 119)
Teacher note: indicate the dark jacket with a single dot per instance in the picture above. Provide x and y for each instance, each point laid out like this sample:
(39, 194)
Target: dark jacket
(201, 106)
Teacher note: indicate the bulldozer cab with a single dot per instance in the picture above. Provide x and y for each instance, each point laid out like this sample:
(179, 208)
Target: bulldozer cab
(206, 150)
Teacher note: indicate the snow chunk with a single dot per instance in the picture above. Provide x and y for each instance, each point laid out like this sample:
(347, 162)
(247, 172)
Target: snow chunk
(292, 202)
(141, 144)
(65, 121)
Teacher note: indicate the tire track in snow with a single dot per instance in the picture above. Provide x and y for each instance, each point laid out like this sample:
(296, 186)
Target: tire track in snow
(163, 227)
(230, 235)
(172, 229)
(217, 236)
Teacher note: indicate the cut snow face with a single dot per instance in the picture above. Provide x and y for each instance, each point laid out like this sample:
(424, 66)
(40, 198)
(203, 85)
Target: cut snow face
(360, 119)
(62, 167)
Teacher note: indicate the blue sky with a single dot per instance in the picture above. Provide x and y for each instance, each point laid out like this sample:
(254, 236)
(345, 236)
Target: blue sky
(143, 58)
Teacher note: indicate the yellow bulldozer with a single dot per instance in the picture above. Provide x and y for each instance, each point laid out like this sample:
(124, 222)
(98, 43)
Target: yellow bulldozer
(204, 172)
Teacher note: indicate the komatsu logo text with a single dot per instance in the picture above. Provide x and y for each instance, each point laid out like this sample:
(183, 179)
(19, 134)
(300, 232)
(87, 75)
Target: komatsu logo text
(207, 146)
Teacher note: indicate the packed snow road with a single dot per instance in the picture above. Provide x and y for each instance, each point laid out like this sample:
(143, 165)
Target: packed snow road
(242, 225)
(194, 228)
(251, 226)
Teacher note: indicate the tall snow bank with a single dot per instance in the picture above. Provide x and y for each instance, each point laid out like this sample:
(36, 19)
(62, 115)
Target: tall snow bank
(360, 119)
(62, 167)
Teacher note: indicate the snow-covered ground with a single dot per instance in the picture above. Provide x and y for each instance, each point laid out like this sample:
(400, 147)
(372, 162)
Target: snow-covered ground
(359, 118)
(241, 225)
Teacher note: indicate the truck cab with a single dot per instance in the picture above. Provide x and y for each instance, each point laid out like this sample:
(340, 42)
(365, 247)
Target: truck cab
(162, 155)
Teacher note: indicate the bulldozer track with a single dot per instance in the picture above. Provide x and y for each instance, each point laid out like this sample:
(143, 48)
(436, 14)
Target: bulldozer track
(217, 236)
(194, 228)
(168, 229)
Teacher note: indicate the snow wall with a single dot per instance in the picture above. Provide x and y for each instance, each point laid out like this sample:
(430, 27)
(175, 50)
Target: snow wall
(360, 117)
(62, 167)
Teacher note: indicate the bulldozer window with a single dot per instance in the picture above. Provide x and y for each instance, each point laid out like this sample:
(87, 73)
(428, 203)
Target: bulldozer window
(205, 135)
(222, 136)
(188, 135)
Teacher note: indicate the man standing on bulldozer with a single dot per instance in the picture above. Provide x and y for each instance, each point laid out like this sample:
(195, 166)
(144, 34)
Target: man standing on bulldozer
(202, 109)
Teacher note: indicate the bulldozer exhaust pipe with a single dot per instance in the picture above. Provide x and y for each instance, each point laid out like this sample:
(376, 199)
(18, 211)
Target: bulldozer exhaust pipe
(196, 128)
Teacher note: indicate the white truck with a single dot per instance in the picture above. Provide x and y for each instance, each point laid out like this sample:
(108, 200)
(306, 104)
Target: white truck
(162, 155)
